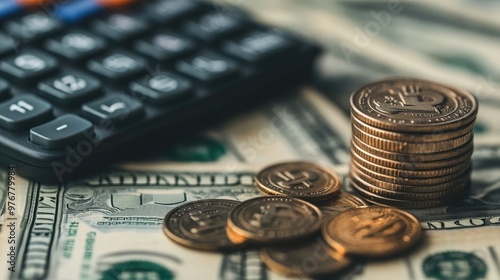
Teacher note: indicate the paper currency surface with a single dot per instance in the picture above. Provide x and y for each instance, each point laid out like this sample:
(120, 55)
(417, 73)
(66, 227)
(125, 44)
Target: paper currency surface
(108, 226)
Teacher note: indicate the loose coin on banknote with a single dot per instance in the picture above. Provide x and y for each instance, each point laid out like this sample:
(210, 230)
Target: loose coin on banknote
(342, 202)
(200, 224)
(413, 105)
(274, 218)
(372, 231)
(306, 259)
(304, 180)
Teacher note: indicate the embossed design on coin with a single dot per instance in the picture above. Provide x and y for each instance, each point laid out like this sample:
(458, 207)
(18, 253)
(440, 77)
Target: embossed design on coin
(274, 218)
(344, 201)
(200, 224)
(303, 180)
(372, 231)
(296, 260)
(413, 105)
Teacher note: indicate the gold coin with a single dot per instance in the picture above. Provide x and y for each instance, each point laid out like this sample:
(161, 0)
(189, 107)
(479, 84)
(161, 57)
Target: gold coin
(311, 258)
(411, 147)
(200, 224)
(413, 187)
(342, 202)
(413, 157)
(413, 165)
(413, 105)
(410, 180)
(299, 179)
(372, 231)
(365, 185)
(410, 173)
(407, 204)
(274, 219)
(435, 136)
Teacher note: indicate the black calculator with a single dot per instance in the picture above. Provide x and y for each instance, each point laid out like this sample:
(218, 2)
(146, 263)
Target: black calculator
(83, 82)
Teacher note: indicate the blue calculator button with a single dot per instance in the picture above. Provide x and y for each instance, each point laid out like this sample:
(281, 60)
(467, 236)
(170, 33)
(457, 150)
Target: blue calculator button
(8, 7)
(78, 10)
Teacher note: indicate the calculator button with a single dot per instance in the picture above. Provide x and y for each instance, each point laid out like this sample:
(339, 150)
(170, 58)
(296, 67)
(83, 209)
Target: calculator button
(120, 27)
(162, 88)
(165, 11)
(28, 66)
(33, 27)
(212, 26)
(164, 46)
(257, 46)
(7, 45)
(24, 111)
(75, 45)
(76, 11)
(117, 65)
(60, 132)
(70, 88)
(4, 90)
(207, 67)
(118, 109)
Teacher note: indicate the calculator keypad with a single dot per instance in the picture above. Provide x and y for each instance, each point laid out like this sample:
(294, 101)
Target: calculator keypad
(66, 74)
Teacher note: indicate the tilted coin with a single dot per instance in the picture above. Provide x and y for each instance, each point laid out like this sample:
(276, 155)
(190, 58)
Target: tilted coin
(234, 237)
(304, 180)
(372, 231)
(411, 147)
(410, 180)
(404, 203)
(410, 173)
(421, 188)
(413, 157)
(415, 164)
(437, 135)
(200, 224)
(296, 259)
(412, 105)
(342, 202)
(274, 219)
(360, 183)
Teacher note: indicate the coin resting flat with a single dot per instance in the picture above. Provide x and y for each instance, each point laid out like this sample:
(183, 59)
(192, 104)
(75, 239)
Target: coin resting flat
(200, 224)
(342, 202)
(304, 180)
(372, 231)
(296, 260)
(274, 218)
(413, 105)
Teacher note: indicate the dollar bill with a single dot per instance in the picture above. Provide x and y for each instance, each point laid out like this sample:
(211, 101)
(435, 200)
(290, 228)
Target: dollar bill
(305, 126)
(368, 40)
(458, 254)
(110, 226)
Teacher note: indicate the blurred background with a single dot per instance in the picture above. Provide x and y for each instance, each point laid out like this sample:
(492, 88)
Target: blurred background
(450, 42)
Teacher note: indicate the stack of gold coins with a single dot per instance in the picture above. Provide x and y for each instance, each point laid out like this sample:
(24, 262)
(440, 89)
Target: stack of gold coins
(411, 142)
